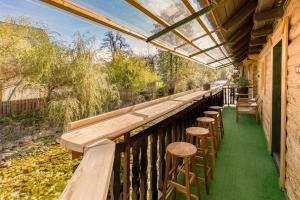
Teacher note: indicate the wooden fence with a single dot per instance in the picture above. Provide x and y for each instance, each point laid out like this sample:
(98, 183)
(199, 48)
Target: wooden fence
(20, 106)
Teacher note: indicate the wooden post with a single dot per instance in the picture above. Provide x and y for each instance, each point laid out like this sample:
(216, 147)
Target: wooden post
(126, 175)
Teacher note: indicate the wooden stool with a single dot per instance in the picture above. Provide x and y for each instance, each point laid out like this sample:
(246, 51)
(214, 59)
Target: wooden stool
(219, 109)
(201, 135)
(215, 115)
(207, 122)
(187, 152)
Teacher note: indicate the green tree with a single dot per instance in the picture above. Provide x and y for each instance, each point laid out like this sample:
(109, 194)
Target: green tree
(131, 74)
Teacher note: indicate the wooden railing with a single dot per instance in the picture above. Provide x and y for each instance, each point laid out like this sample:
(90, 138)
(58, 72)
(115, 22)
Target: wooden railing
(92, 177)
(139, 158)
(20, 106)
(139, 163)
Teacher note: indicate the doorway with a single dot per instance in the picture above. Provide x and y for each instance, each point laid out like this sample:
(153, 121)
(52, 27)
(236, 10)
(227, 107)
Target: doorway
(276, 103)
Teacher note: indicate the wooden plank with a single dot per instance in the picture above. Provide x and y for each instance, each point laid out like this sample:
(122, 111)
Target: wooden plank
(92, 177)
(153, 159)
(258, 41)
(126, 173)
(136, 170)
(144, 165)
(262, 32)
(116, 126)
(284, 88)
(270, 14)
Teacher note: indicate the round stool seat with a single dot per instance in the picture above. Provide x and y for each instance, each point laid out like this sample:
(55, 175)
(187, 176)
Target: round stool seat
(205, 119)
(215, 107)
(182, 149)
(197, 131)
(211, 112)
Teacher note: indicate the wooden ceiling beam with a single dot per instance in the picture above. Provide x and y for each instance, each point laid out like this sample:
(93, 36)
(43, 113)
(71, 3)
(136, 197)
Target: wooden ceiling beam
(255, 49)
(246, 37)
(258, 41)
(241, 49)
(243, 42)
(262, 32)
(240, 34)
(240, 17)
(270, 14)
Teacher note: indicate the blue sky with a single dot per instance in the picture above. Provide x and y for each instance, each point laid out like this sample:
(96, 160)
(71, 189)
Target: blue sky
(67, 24)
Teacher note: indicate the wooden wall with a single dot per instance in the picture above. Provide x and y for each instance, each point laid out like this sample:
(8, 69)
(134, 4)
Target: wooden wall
(293, 108)
(291, 176)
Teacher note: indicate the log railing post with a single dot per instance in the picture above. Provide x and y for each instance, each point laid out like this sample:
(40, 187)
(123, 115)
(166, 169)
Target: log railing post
(126, 174)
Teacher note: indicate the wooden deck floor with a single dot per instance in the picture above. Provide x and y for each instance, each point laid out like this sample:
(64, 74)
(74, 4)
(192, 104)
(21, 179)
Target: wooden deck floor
(244, 169)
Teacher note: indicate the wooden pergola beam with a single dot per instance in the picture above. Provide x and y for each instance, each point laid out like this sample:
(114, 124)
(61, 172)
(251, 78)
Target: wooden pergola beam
(203, 11)
(240, 17)
(258, 41)
(262, 32)
(270, 14)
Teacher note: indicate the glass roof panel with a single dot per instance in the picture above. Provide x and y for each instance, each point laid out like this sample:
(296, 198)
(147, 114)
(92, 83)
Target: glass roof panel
(216, 53)
(124, 14)
(204, 42)
(225, 61)
(188, 49)
(170, 39)
(203, 58)
(215, 65)
(191, 29)
(169, 10)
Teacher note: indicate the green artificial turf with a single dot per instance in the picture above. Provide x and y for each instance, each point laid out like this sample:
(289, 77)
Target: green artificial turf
(244, 169)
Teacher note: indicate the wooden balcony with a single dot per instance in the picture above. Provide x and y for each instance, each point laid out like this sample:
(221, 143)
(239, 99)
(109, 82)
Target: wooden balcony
(133, 165)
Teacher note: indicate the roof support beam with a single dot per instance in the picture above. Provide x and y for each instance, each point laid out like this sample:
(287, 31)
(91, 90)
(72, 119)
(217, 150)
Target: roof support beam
(240, 34)
(254, 50)
(246, 37)
(208, 49)
(258, 41)
(262, 32)
(203, 11)
(239, 45)
(270, 14)
(240, 17)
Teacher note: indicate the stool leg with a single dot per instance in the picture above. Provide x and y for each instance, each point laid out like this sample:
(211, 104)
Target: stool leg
(194, 164)
(205, 148)
(164, 194)
(175, 165)
(187, 178)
